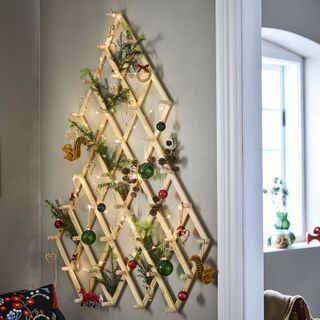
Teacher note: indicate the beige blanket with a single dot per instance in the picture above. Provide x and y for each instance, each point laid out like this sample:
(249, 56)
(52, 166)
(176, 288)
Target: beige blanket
(281, 307)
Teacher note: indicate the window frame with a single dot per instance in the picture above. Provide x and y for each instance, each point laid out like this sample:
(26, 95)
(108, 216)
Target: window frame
(273, 52)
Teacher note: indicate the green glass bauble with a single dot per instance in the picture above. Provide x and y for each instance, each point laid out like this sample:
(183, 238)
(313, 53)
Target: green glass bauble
(146, 170)
(101, 207)
(88, 237)
(161, 126)
(165, 268)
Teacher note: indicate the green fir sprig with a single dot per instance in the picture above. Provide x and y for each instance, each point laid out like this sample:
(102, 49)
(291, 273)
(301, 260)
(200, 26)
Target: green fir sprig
(62, 215)
(126, 51)
(144, 270)
(110, 278)
(84, 130)
(145, 231)
(109, 158)
(122, 187)
(112, 97)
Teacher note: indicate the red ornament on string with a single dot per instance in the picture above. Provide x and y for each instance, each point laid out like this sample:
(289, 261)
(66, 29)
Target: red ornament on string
(163, 193)
(183, 295)
(181, 231)
(58, 224)
(132, 264)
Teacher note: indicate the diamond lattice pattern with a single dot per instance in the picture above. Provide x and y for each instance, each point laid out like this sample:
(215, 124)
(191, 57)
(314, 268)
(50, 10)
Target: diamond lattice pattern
(149, 103)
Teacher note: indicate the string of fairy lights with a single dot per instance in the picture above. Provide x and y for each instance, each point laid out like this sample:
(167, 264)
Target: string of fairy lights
(151, 257)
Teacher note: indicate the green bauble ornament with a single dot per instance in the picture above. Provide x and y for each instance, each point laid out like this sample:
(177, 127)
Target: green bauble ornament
(165, 268)
(161, 126)
(146, 170)
(101, 207)
(88, 237)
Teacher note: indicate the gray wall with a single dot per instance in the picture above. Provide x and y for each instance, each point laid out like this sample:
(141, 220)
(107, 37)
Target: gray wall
(19, 145)
(298, 16)
(184, 44)
(296, 271)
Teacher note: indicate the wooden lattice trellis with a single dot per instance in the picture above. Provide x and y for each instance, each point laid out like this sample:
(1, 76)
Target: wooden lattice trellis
(81, 184)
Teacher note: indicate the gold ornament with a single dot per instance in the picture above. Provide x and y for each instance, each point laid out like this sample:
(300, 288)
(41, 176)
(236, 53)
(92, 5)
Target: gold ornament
(204, 272)
(75, 152)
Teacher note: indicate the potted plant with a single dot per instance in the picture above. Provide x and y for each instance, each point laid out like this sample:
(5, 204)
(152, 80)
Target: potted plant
(282, 238)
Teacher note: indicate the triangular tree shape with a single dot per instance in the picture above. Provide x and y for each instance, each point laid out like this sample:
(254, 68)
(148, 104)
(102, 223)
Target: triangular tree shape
(115, 108)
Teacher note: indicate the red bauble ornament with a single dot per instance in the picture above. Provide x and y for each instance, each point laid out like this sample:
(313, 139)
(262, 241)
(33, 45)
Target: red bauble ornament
(181, 231)
(132, 264)
(58, 224)
(183, 295)
(163, 193)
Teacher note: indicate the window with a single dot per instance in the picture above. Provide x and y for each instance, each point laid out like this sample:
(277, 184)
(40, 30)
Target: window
(282, 125)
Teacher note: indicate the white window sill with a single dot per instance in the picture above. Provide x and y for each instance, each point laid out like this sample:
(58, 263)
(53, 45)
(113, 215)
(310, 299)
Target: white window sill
(295, 246)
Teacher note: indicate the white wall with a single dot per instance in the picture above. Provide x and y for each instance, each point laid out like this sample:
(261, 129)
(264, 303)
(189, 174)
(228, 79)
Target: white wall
(19, 145)
(295, 271)
(312, 116)
(184, 44)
